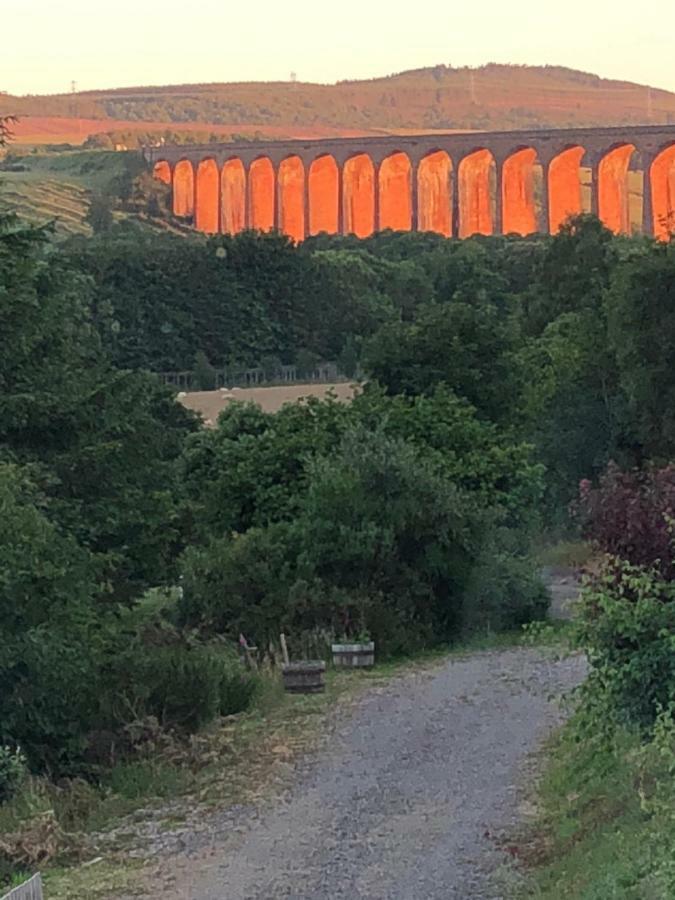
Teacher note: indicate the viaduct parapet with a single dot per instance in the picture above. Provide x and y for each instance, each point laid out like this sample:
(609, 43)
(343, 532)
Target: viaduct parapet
(455, 184)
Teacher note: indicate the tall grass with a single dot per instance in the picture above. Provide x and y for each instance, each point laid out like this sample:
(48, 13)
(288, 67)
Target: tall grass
(607, 828)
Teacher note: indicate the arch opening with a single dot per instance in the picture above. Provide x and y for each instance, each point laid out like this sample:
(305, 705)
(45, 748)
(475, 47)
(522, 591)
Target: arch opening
(394, 185)
(434, 193)
(566, 187)
(476, 186)
(162, 171)
(522, 178)
(233, 197)
(662, 176)
(614, 207)
(207, 197)
(261, 194)
(184, 190)
(292, 198)
(323, 186)
(359, 196)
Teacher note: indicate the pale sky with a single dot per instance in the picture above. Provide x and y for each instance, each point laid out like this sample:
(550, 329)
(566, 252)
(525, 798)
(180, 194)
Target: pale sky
(46, 44)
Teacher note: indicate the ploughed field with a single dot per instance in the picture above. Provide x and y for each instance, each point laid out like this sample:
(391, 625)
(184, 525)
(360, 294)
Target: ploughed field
(209, 404)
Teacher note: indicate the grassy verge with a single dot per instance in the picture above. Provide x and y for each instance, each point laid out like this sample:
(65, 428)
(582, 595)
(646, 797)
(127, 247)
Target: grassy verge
(81, 835)
(607, 820)
(567, 554)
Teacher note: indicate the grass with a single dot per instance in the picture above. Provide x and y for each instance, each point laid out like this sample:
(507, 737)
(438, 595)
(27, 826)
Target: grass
(94, 170)
(569, 553)
(100, 880)
(57, 187)
(240, 759)
(606, 827)
(39, 201)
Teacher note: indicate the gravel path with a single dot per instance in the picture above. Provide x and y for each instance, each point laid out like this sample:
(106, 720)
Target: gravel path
(404, 802)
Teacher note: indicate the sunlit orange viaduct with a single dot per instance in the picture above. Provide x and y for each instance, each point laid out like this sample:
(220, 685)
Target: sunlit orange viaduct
(516, 182)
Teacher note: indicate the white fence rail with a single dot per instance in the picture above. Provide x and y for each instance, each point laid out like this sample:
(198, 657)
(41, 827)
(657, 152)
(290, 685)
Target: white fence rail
(30, 890)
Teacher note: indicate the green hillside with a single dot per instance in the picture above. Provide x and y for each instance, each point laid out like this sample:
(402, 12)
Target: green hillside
(39, 200)
(58, 188)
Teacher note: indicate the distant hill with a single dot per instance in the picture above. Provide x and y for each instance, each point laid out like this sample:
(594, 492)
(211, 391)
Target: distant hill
(440, 98)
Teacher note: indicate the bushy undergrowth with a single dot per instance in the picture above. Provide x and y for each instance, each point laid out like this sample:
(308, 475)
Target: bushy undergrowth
(627, 617)
(609, 794)
(392, 522)
(13, 771)
(627, 627)
(607, 825)
(629, 515)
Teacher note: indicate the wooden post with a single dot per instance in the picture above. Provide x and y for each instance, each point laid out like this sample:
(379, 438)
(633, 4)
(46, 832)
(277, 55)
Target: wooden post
(250, 659)
(284, 649)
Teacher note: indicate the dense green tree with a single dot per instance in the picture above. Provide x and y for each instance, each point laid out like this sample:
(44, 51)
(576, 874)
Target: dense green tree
(641, 306)
(250, 470)
(349, 301)
(379, 536)
(204, 373)
(469, 346)
(48, 643)
(572, 275)
(99, 215)
(106, 440)
(574, 405)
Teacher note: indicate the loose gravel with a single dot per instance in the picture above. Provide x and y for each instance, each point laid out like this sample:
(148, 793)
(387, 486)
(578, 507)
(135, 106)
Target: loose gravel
(405, 801)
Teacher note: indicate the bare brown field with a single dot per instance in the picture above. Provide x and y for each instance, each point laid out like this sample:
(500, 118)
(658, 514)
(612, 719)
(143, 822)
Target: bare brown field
(209, 404)
(72, 130)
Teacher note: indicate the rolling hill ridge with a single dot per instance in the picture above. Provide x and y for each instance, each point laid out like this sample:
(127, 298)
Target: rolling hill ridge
(437, 98)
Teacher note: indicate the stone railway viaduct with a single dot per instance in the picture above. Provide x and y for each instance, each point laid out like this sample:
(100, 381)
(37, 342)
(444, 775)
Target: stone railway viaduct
(455, 184)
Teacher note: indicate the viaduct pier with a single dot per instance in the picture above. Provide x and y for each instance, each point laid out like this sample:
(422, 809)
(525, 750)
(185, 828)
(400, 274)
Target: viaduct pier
(455, 184)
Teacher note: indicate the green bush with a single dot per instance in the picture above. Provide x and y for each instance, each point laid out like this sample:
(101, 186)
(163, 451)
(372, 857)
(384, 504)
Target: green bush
(240, 584)
(250, 470)
(382, 539)
(155, 670)
(505, 590)
(182, 687)
(627, 627)
(381, 527)
(13, 772)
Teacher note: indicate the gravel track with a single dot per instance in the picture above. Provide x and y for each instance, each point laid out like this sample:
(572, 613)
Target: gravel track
(405, 801)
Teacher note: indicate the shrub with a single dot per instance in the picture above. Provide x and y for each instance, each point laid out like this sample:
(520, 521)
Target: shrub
(13, 771)
(505, 590)
(382, 538)
(239, 584)
(182, 687)
(203, 372)
(381, 524)
(629, 516)
(250, 470)
(156, 671)
(627, 627)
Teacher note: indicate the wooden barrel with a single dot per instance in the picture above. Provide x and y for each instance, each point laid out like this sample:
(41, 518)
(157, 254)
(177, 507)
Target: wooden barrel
(304, 677)
(354, 656)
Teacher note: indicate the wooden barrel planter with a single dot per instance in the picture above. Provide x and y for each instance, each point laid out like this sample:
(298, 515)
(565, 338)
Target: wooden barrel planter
(354, 656)
(304, 677)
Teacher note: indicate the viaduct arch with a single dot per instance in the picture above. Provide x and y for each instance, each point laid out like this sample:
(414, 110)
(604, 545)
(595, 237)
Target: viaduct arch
(452, 184)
